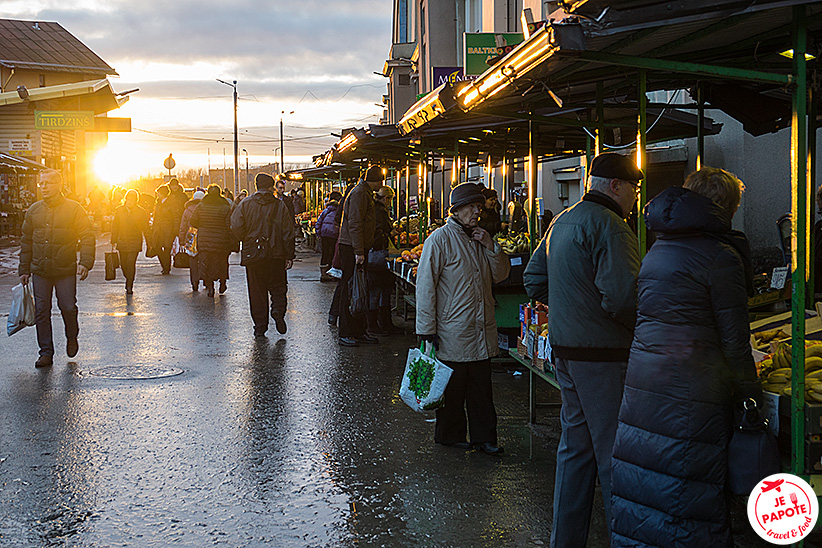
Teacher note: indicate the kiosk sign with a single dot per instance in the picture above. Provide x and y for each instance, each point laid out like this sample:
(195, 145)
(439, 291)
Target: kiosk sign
(64, 119)
(783, 509)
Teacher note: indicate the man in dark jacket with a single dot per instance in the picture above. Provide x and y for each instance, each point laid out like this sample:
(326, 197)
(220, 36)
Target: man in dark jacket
(48, 256)
(127, 230)
(356, 238)
(590, 260)
(285, 198)
(264, 226)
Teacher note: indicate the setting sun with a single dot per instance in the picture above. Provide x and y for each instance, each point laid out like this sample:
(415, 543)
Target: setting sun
(111, 164)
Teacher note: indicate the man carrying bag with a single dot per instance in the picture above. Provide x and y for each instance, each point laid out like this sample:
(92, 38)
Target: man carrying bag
(265, 228)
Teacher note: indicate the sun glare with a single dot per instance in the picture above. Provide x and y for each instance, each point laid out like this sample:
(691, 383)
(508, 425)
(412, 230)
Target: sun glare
(112, 165)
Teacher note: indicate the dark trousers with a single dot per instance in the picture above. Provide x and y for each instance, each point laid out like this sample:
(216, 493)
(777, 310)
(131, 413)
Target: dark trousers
(164, 244)
(591, 397)
(469, 386)
(194, 272)
(66, 290)
(328, 244)
(380, 287)
(335, 301)
(128, 264)
(264, 279)
(349, 326)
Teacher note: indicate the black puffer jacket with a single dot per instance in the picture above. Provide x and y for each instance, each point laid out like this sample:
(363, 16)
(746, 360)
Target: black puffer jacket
(383, 225)
(128, 228)
(690, 354)
(212, 218)
(263, 215)
(51, 231)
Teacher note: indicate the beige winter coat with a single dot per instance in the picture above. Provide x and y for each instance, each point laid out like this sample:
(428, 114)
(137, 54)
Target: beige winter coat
(454, 293)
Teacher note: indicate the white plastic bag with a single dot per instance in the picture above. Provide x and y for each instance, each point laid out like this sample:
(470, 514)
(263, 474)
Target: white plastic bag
(424, 381)
(22, 308)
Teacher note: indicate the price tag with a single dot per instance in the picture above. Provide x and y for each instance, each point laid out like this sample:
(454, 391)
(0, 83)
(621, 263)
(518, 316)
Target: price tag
(516, 261)
(779, 277)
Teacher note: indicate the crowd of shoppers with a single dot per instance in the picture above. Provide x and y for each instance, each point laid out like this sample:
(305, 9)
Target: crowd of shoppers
(651, 356)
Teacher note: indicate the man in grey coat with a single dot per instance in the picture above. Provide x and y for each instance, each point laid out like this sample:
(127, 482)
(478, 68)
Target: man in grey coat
(585, 270)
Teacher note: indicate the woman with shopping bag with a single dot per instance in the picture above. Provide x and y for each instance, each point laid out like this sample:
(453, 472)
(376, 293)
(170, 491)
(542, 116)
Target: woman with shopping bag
(455, 315)
(129, 227)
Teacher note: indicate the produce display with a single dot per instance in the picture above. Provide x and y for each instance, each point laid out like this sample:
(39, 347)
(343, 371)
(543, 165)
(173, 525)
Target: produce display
(413, 223)
(514, 243)
(411, 255)
(775, 371)
(309, 215)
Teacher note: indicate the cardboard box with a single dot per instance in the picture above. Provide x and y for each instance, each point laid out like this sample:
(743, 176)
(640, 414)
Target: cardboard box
(539, 318)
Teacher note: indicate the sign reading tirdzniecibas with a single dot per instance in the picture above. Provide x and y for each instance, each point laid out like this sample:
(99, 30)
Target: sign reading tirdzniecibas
(64, 119)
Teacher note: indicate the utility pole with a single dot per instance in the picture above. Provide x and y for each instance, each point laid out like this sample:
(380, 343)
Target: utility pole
(282, 152)
(236, 138)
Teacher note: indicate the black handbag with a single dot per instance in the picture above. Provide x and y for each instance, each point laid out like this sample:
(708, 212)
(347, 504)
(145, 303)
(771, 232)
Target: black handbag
(182, 260)
(753, 453)
(358, 293)
(112, 264)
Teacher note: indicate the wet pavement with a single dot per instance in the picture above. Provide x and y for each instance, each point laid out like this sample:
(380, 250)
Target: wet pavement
(173, 426)
(284, 441)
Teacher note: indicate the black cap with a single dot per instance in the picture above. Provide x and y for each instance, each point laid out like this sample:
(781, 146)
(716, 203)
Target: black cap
(374, 174)
(264, 180)
(615, 166)
(464, 194)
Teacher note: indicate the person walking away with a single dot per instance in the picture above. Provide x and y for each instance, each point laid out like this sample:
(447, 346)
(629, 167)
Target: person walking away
(299, 202)
(455, 315)
(212, 219)
(380, 279)
(336, 269)
(328, 231)
(356, 237)
(185, 224)
(163, 229)
(490, 220)
(262, 222)
(690, 365)
(590, 259)
(52, 228)
(129, 227)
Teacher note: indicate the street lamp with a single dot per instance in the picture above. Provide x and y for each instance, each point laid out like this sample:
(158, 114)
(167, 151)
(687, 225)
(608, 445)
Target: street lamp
(236, 143)
(246, 168)
(282, 152)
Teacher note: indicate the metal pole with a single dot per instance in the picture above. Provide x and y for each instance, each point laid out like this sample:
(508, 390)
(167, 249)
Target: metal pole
(799, 239)
(532, 190)
(599, 143)
(641, 158)
(236, 147)
(282, 153)
(700, 132)
(811, 289)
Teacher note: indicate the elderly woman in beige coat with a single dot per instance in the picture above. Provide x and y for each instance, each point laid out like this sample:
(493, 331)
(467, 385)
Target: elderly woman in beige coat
(455, 313)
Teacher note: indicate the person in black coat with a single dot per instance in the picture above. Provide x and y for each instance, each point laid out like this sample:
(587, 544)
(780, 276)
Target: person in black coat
(490, 218)
(690, 364)
(212, 219)
(380, 279)
(129, 227)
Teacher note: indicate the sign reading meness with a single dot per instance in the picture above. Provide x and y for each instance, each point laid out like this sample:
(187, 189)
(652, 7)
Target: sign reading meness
(783, 509)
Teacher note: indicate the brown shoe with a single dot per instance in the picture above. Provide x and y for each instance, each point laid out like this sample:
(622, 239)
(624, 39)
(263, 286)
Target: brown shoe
(72, 347)
(44, 361)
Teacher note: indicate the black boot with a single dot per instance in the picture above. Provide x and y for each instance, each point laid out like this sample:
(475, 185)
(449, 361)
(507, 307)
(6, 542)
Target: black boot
(373, 323)
(386, 323)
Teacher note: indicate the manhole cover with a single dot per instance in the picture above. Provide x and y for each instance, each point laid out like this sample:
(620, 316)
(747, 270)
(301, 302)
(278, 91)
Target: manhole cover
(135, 372)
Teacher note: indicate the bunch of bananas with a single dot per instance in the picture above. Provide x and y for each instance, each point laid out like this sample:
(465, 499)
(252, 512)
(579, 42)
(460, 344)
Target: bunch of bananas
(514, 243)
(775, 372)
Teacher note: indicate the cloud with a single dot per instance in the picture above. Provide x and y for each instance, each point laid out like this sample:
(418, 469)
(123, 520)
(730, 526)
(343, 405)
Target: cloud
(257, 40)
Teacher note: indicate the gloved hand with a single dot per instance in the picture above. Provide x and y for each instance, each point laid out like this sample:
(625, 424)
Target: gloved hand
(749, 389)
(429, 342)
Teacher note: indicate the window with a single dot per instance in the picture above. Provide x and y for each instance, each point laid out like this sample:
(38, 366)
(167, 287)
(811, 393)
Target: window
(403, 79)
(42, 80)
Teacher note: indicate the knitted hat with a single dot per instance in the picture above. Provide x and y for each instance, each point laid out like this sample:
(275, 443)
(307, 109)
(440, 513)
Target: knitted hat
(464, 194)
(615, 166)
(199, 195)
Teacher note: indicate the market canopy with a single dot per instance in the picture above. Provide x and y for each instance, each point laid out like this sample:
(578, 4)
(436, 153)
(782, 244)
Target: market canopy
(741, 51)
(93, 95)
(17, 164)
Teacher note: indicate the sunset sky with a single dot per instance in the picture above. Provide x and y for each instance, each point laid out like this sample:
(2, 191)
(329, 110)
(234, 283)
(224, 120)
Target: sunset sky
(313, 57)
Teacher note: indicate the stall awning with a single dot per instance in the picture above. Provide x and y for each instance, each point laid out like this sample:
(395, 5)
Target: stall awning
(16, 164)
(94, 95)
